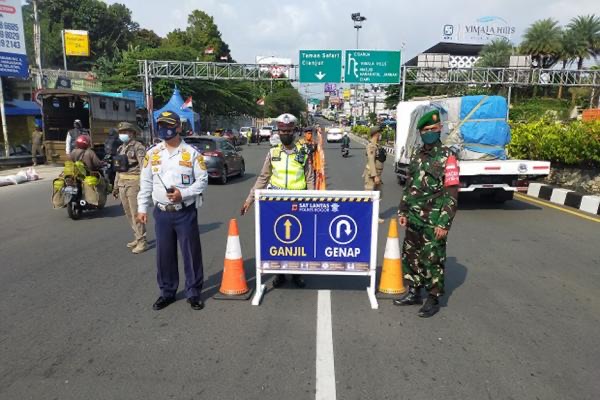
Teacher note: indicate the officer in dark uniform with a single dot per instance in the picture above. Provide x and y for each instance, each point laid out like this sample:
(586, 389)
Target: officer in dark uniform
(174, 177)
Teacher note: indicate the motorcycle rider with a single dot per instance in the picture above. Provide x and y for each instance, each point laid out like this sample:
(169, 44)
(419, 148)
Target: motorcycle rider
(345, 142)
(85, 154)
(111, 147)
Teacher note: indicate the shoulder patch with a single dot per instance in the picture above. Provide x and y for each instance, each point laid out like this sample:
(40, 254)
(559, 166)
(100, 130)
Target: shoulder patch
(146, 159)
(201, 162)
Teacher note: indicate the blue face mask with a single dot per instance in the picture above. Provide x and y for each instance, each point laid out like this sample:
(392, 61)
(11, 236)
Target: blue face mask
(430, 137)
(123, 137)
(167, 133)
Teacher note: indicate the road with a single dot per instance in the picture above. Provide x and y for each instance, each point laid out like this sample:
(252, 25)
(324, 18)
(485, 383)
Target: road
(521, 319)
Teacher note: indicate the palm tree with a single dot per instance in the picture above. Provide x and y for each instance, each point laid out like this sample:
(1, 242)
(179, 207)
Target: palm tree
(587, 28)
(542, 41)
(572, 47)
(496, 54)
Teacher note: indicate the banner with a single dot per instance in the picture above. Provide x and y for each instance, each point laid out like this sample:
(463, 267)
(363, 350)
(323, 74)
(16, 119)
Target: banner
(13, 55)
(77, 43)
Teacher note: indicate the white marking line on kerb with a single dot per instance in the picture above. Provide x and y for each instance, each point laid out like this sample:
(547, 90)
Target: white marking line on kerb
(325, 386)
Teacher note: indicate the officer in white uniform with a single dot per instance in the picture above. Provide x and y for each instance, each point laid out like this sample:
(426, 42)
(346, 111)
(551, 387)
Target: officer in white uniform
(173, 178)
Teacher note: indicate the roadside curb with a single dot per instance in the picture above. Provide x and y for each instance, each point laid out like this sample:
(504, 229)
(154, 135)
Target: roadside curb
(565, 197)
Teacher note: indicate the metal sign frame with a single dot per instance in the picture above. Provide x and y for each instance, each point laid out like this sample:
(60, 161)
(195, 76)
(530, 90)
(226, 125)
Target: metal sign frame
(324, 196)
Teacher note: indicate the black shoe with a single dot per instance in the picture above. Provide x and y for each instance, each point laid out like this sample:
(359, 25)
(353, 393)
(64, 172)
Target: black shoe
(162, 302)
(279, 280)
(299, 281)
(410, 298)
(196, 303)
(431, 307)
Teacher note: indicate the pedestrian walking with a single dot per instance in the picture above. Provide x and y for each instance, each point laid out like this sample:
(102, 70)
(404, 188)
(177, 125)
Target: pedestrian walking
(128, 163)
(427, 210)
(376, 157)
(173, 178)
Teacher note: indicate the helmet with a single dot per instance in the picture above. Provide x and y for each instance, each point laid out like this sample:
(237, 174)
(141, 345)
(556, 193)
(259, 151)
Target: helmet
(77, 123)
(286, 121)
(82, 142)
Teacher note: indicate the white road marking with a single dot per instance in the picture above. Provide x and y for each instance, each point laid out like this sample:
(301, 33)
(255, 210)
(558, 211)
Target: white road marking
(325, 382)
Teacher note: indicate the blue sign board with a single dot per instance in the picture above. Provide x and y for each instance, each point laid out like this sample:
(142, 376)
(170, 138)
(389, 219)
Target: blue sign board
(316, 230)
(13, 55)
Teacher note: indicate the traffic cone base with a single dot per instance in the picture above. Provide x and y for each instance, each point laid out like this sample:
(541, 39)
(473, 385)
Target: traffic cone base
(391, 283)
(233, 284)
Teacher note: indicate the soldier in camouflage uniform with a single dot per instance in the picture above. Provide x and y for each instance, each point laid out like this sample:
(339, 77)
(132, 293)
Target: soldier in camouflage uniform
(127, 181)
(427, 209)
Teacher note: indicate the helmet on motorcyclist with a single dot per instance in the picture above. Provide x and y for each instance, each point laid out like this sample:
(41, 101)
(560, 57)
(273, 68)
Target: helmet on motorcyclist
(82, 142)
(77, 123)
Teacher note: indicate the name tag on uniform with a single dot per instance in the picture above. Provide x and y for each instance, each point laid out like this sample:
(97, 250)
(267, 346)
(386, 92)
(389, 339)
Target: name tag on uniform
(186, 179)
(276, 159)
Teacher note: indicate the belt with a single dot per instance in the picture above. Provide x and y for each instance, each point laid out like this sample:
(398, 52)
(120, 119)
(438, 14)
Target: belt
(128, 176)
(172, 207)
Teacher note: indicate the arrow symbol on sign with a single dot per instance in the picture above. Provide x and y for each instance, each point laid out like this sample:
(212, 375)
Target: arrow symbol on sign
(288, 229)
(338, 228)
(320, 75)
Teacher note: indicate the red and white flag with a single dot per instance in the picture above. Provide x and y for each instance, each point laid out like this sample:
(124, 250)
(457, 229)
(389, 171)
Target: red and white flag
(260, 102)
(187, 104)
(209, 50)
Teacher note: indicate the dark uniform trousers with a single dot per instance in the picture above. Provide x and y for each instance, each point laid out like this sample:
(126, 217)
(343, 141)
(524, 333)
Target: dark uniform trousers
(179, 226)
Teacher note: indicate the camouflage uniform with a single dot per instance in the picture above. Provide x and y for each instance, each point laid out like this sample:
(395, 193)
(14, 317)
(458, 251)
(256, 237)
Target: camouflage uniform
(427, 203)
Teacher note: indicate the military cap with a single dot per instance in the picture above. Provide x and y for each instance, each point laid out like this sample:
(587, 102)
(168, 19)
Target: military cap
(168, 117)
(430, 118)
(374, 130)
(126, 126)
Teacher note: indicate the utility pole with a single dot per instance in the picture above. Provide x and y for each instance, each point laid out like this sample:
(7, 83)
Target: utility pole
(358, 20)
(37, 41)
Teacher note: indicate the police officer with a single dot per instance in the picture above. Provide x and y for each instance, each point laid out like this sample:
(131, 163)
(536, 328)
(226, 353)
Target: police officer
(286, 167)
(427, 209)
(36, 144)
(375, 159)
(73, 134)
(174, 177)
(128, 163)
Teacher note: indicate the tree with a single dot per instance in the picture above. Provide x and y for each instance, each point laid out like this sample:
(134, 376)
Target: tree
(542, 40)
(496, 54)
(287, 100)
(146, 38)
(587, 30)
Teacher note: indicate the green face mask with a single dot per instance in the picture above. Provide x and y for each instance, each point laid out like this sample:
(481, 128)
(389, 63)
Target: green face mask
(430, 137)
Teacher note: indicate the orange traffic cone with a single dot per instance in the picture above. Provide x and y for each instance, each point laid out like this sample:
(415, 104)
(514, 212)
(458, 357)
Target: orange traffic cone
(233, 284)
(391, 283)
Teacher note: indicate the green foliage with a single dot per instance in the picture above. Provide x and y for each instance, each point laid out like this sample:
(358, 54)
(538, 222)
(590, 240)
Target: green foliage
(286, 100)
(496, 54)
(576, 143)
(362, 131)
(534, 109)
(542, 40)
(586, 30)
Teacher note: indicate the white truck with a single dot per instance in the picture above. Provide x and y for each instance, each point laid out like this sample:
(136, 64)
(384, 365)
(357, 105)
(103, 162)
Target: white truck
(495, 179)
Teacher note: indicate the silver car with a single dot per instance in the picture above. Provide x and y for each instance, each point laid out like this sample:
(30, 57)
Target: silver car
(223, 160)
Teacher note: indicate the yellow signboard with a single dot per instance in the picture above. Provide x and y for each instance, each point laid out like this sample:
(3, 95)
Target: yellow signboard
(77, 43)
(346, 94)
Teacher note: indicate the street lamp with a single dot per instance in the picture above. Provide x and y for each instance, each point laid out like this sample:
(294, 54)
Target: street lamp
(358, 20)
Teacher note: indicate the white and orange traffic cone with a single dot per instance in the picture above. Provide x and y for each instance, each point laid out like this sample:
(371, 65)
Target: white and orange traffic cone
(233, 284)
(391, 283)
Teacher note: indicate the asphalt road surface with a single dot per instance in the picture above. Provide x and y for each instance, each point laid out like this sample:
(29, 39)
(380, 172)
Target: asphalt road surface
(521, 319)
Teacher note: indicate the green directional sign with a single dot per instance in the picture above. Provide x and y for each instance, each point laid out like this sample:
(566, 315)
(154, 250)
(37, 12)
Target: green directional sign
(372, 66)
(315, 101)
(320, 66)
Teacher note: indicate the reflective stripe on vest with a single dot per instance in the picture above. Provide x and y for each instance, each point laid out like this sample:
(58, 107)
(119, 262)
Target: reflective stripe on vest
(286, 171)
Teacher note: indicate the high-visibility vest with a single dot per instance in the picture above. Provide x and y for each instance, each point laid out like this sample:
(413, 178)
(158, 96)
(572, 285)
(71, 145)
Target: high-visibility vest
(287, 170)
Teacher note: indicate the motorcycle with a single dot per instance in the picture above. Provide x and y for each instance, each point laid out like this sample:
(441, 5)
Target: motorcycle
(80, 193)
(345, 151)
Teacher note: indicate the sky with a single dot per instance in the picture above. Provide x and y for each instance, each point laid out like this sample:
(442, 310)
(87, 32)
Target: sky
(282, 27)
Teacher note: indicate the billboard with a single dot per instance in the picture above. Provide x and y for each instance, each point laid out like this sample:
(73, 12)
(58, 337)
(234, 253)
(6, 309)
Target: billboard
(77, 43)
(276, 66)
(481, 31)
(13, 56)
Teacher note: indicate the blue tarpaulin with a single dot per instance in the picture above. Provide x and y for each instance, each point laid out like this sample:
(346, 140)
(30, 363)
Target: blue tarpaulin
(486, 131)
(186, 114)
(21, 107)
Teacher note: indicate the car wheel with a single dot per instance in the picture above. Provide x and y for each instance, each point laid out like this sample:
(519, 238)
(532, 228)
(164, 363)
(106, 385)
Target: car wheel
(242, 169)
(223, 180)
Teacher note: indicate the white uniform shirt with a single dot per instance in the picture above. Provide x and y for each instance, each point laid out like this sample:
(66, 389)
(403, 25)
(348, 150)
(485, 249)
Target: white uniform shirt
(184, 169)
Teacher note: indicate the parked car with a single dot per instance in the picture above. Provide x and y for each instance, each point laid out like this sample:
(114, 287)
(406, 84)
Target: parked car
(334, 135)
(223, 160)
(265, 132)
